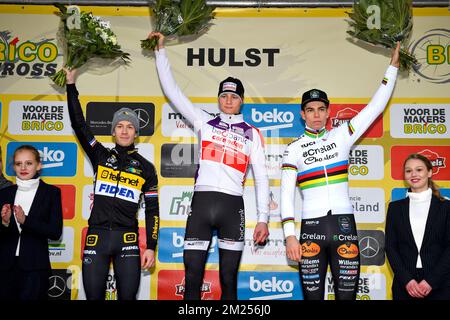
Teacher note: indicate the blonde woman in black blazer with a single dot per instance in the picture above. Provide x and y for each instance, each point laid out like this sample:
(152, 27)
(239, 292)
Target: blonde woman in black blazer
(418, 236)
(31, 213)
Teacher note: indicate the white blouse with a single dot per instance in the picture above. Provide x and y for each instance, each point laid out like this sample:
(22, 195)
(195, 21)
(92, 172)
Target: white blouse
(419, 205)
(26, 190)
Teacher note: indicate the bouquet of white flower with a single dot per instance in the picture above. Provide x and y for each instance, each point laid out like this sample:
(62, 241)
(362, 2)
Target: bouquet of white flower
(92, 37)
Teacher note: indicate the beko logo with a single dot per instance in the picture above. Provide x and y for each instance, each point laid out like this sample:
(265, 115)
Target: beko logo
(54, 156)
(282, 120)
(272, 285)
(272, 117)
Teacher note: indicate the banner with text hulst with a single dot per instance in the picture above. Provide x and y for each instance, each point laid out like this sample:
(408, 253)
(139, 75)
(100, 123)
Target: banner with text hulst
(284, 53)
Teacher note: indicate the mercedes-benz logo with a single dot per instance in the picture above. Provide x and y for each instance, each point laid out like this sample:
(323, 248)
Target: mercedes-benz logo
(57, 286)
(369, 247)
(143, 116)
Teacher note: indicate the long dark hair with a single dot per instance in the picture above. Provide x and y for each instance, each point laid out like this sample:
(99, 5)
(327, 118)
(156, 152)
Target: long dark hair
(431, 184)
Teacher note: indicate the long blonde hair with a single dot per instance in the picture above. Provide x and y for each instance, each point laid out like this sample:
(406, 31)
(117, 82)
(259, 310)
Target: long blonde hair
(431, 184)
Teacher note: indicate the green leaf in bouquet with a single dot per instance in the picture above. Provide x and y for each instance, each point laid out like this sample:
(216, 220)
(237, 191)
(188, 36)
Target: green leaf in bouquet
(180, 18)
(395, 25)
(196, 16)
(168, 20)
(149, 44)
(166, 15)
(161, 4)
(93, 38)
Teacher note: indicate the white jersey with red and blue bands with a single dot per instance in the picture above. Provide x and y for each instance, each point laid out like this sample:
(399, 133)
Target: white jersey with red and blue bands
(317, 163)
(227, 145)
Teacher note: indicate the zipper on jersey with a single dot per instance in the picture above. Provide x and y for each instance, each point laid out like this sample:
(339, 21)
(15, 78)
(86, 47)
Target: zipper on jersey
(117, 188)
(326, 174)
(226, 139)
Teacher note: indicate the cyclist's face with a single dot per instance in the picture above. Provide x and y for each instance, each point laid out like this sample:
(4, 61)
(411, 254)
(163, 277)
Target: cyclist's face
(315, 114)
(124, 133)
(230, 103)
(417, 175)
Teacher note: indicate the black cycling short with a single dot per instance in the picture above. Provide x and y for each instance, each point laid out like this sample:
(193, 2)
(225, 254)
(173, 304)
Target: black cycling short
(225, 213)
(330, 240)
(122, 248)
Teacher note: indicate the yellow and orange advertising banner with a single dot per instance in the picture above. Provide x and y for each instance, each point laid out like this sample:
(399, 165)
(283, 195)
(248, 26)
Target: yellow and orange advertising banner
(278, 54)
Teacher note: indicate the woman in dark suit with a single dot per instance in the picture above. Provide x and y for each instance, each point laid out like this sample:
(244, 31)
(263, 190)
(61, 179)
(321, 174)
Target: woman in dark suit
(418, 236)
(31, 213)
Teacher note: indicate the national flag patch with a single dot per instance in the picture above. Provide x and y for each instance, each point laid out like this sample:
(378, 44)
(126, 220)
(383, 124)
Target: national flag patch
(93, 142)
(151, 194)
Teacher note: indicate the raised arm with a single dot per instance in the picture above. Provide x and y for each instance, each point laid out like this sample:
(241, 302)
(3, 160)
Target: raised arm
(84, 135)
(359, 124)
(170, 87)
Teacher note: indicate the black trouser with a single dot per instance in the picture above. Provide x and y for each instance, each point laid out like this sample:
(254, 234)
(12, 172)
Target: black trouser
(18, 284)
(399, 292)
(122, 248)
(329, 240)
(209, 211)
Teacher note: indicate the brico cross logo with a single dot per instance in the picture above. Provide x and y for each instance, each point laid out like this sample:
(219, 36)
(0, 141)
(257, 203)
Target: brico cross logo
(26, 58)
